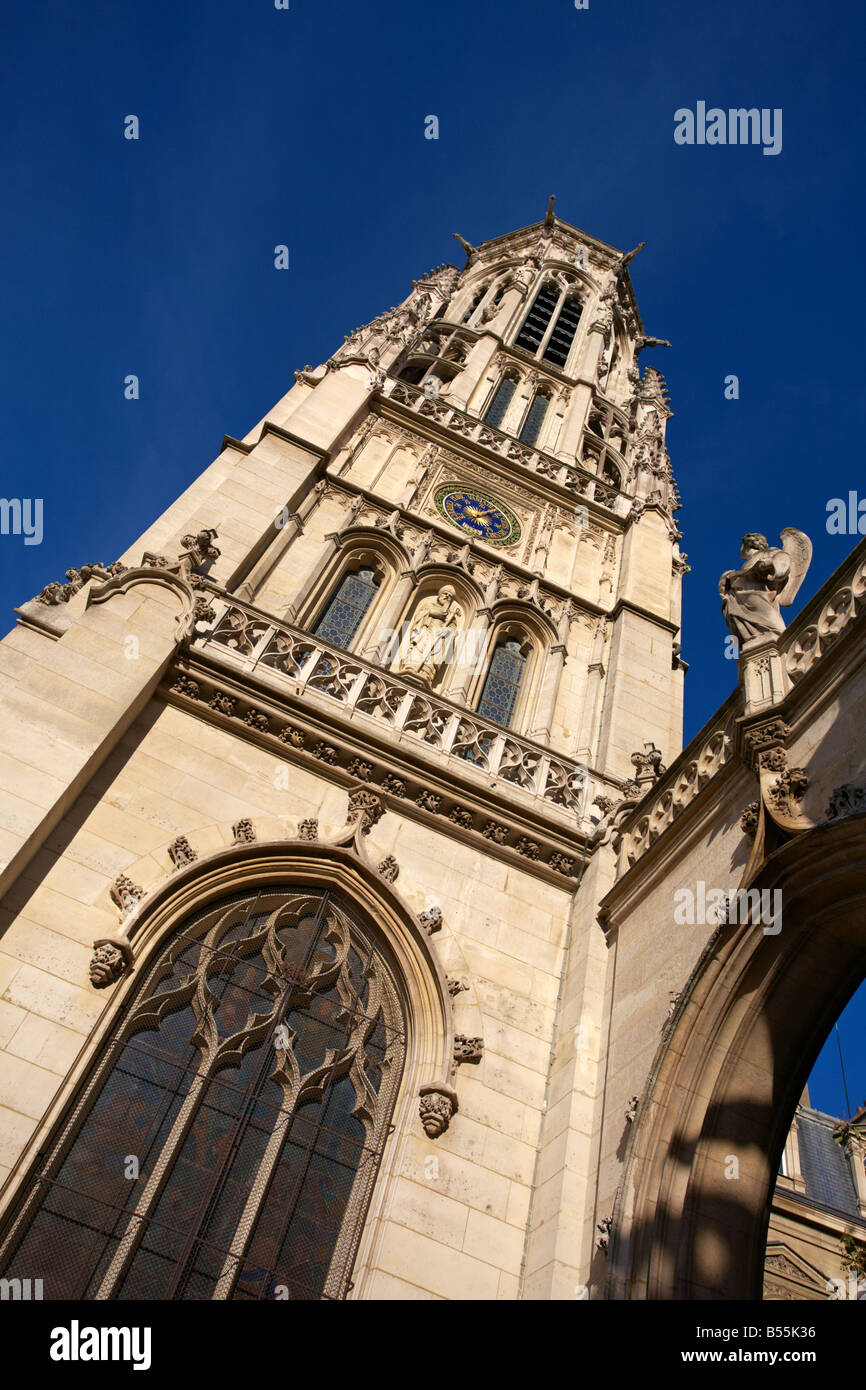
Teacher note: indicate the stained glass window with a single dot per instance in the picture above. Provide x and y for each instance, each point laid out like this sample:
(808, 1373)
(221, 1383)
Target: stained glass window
(534, 418)
(502, 684)
(342, 617)
(252, 1080)
(536, 321)
(495, 413)
(562, 337)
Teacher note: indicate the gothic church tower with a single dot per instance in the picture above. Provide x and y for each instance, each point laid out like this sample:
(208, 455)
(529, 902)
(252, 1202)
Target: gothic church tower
(318, 767)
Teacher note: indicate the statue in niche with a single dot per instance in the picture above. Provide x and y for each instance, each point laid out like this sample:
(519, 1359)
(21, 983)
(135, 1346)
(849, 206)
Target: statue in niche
(430, 640)
(767, 580)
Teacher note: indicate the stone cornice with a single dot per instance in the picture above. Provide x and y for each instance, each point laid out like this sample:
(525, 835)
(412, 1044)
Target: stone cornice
(268, 427)
(623, 604)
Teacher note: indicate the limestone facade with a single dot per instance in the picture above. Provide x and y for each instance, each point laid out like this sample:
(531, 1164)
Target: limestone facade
(242, 699)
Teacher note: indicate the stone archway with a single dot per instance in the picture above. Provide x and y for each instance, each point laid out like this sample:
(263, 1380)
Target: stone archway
(727, 1078)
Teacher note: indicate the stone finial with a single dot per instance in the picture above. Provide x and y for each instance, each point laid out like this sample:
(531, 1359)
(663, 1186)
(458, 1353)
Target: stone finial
(200, 547)
(111, 960)
(648, 764)
(437, 1106)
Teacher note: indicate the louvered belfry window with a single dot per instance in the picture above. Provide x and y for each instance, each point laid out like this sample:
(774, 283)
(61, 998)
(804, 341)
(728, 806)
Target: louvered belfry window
(252, 1080)
(562, 337)
(343, 615)
(536, 321)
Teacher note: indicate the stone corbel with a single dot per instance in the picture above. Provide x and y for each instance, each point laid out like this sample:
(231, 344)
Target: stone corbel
(438, 1106)
(777, 815)
(112, 958)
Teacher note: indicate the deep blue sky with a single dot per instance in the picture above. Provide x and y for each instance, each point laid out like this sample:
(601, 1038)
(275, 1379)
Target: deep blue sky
(306, 127)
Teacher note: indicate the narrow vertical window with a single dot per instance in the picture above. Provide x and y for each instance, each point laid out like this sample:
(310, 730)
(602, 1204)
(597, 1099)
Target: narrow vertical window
(342, 617)
(562, 337)
(495, 412)
(534, 418)
(536, 321)
(474, 305)
(502, 685)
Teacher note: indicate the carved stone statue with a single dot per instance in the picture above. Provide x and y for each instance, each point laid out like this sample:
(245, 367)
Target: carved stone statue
(433, 624)
(767, 580)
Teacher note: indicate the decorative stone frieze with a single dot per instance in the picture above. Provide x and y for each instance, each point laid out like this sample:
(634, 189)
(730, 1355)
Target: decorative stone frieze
(846, 800)
(325, 752)
(185, 685)
(395, 785)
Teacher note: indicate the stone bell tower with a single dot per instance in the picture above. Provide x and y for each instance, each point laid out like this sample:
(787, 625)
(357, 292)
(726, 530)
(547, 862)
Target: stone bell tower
(443, 570)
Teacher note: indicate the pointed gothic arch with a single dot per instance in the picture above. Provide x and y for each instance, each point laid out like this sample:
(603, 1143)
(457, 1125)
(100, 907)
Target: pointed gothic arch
(728, 1075)
(398, 1033)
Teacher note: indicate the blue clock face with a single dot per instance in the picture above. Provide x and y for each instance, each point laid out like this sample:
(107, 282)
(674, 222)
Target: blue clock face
(478, 514)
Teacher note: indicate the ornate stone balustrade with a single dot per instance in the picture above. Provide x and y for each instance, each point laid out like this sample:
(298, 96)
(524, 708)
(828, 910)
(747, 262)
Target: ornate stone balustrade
(575, 479)
(277, 650)
(807, 641)
(641, 825)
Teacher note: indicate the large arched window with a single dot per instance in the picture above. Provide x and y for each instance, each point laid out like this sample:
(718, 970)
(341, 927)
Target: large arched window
(534, 418)
(502, 683)
(495, 412)
(227, 1143)
(546, 332)
(344, 613)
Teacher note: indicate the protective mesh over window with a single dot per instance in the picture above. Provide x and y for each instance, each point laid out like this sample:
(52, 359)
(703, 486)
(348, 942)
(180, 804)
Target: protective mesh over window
(534, 418)
(495, 413)
(562, 337)
(502, 684)
(228, 1141)
(342, 617)
(536, 321)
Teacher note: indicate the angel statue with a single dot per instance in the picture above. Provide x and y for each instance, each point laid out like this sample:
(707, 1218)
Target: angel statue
(431, 635)
(767, 580)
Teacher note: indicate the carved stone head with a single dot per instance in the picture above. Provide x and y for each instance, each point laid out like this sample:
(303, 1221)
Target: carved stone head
(753, 541)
